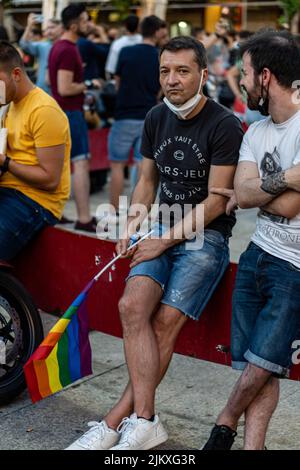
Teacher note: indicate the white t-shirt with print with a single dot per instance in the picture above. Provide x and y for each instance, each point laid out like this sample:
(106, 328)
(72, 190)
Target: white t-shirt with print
(275, 147)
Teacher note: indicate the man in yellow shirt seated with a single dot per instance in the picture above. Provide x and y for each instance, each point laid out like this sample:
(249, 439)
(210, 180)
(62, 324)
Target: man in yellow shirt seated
(35, 169)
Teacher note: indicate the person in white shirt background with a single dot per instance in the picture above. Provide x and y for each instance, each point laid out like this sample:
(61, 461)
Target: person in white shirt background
(131, 38)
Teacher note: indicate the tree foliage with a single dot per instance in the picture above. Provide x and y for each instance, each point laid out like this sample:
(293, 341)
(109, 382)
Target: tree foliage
(290, 8)
(123, 6)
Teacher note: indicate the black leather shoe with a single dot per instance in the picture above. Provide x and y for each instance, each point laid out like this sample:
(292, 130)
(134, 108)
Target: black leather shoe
(90, 226)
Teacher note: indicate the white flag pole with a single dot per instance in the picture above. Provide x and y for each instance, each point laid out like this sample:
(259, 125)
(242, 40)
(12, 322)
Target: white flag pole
(120, 255)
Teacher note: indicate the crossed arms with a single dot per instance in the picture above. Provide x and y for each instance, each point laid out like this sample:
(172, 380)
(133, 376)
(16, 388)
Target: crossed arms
(248, 190)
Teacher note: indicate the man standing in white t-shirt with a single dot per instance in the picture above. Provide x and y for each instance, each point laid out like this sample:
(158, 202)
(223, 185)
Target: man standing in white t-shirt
(266, 299)
(129, 39)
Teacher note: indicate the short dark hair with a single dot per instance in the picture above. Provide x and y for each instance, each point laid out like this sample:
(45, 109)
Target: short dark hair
(277, 51)
(71, 14)
(187, 43)
(131, 23)
(245, 34)
(150, 25)
(10, 57)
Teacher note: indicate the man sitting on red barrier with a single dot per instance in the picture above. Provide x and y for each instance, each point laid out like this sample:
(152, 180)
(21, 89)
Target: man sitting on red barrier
(190, 143)
(35, 166)
(266, 298)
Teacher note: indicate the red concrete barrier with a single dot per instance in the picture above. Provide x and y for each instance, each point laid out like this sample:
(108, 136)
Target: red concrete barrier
(99, 151)
(98, 148)
(57, 265)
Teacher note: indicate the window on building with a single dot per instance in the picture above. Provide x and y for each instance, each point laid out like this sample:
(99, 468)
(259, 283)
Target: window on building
(182, 28)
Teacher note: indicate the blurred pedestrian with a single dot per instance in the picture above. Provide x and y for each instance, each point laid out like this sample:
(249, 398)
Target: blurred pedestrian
(41, 49)
(137, 77)
(130, 38)
(68, 87)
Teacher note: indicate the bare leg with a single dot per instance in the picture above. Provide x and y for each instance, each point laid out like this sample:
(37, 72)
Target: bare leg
(137, 305)
(245, 391)
(81, 183)
(167, 323)
(259, 413)
(142, 355)
(123, 408)
(135, 173)
(117, 183)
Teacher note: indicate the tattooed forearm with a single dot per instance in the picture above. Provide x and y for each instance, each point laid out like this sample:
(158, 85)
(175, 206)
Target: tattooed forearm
(275, 183)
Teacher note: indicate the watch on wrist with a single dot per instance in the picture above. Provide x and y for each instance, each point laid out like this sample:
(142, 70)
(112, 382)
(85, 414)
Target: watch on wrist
(89, 84)
(4, 167)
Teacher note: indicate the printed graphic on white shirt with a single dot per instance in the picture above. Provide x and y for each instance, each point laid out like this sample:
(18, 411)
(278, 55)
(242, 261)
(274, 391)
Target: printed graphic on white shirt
(275, 147)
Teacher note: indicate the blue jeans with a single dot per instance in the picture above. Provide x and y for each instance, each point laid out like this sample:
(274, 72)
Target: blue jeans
(266, 312)
(188, 277)
(20, 219)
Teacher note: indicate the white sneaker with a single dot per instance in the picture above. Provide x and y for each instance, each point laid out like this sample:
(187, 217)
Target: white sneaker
(99, 437)
(140, 434)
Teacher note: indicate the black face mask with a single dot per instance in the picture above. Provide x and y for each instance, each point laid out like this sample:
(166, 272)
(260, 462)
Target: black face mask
(263, 104)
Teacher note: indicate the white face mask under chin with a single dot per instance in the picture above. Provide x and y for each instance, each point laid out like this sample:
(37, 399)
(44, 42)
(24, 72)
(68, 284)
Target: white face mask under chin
(186, 108)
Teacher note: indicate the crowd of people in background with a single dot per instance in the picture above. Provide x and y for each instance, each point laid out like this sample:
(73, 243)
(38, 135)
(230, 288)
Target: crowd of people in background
(103, 86)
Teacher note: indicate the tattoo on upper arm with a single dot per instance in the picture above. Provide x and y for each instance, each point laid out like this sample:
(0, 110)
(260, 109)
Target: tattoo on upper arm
(274, 184)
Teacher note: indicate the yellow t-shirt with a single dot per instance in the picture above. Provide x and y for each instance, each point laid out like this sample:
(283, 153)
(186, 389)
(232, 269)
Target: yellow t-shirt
(35, 122)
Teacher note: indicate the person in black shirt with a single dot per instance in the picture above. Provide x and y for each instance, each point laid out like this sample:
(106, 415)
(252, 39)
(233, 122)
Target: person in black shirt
(190, 145)
(93, 56)
(185, 150)
(137, 77)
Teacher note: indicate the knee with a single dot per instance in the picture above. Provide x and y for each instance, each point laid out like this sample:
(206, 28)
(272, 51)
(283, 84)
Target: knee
(254, 378)
(130, 314)
(125, 307)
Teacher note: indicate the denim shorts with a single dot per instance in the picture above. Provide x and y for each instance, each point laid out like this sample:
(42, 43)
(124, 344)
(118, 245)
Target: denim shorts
(266, 312)
(125, 134)
(20, 219)
(188, 277)
(79, 136)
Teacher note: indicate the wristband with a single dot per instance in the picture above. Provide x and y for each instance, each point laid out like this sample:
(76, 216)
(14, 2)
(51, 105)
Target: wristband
(4, 167)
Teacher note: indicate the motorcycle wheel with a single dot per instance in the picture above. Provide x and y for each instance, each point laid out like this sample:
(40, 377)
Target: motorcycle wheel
(21, 331)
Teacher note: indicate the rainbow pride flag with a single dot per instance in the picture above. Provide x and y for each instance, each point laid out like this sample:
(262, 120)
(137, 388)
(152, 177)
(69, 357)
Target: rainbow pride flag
(65, 354)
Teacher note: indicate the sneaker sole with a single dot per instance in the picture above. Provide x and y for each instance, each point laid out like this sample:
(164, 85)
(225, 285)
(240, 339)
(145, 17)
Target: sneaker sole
(150, 444)
(77, 447)
(155, 442)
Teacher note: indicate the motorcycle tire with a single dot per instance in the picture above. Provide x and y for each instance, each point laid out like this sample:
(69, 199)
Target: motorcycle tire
(21, 331)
